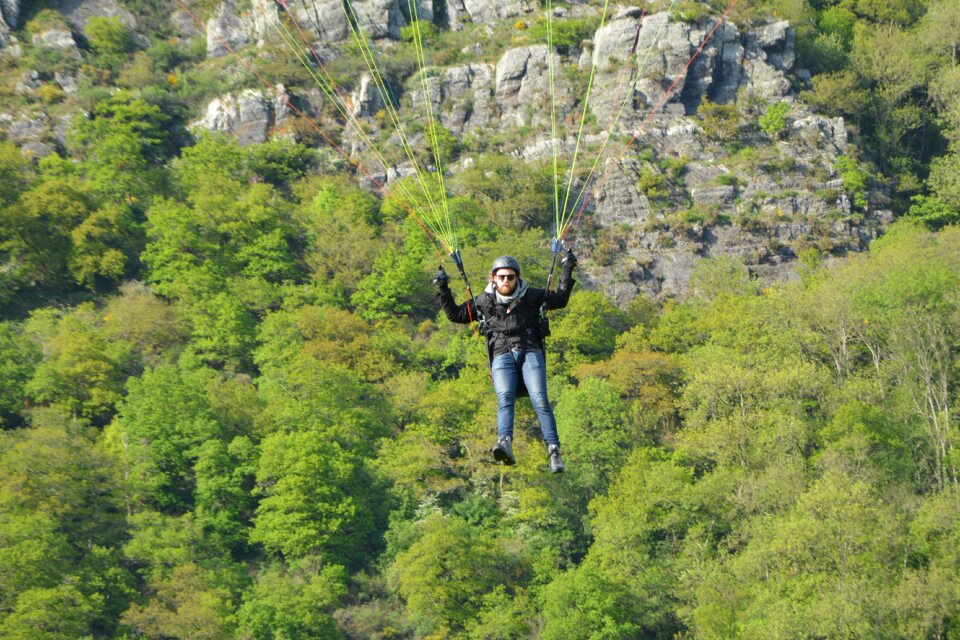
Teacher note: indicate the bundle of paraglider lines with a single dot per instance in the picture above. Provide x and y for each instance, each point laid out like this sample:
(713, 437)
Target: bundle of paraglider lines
(425, 197)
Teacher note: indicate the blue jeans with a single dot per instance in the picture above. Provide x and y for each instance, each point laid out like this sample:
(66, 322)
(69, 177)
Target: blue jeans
(507, 369)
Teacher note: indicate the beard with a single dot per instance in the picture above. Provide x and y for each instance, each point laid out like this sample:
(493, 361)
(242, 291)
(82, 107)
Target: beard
(507, 288)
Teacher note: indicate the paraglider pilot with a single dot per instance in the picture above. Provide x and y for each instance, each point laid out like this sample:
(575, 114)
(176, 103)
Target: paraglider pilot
(512, 318)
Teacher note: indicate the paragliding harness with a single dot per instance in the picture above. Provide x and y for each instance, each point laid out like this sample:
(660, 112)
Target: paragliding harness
(483, 327)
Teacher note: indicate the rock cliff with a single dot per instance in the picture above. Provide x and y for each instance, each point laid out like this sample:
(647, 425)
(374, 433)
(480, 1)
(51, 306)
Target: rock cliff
(9, 17)
(672, 184)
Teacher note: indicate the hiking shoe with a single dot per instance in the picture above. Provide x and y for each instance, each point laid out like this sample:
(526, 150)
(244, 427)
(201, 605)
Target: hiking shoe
(503, 452)
(553, 457)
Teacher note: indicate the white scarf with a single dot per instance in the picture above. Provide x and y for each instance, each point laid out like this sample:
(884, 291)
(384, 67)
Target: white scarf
(509, 300)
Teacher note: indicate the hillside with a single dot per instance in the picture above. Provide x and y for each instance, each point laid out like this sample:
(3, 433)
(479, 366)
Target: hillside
(694, 182)
(230, 407)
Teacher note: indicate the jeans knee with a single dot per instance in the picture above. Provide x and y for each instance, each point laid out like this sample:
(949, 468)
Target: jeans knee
(540, 401)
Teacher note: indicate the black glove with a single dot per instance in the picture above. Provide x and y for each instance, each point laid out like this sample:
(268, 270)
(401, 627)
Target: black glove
(569, 262)
(441, 281)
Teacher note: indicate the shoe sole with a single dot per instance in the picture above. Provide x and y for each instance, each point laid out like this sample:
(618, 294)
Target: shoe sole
(501, 456)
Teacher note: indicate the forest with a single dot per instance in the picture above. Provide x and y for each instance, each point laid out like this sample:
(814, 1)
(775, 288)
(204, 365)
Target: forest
(231, 408)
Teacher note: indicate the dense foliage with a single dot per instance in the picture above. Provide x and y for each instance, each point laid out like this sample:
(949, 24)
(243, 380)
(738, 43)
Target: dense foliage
(230, 409)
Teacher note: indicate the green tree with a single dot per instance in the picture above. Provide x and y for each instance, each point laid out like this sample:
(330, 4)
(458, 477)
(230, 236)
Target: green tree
(838, 93)
(596, 432)
(82, 371)
(294, 602)
(926, 600)
(36, 231)
(16, 174)
(55, 470)
(18, 359)
(341, 222)
(398, 285)
(155, 329)
(279, 162)
(225, 474)
(719, 122)
(224, 256)
(839, 20)
(33, 554)
(503, 615)
(583, 603)
(901, 12)
(107, 35)
(314, 500)
(158, 434)
(933, 212)
(586, 330)
(943, 180)
(310, 394)
(329, 335)
(823, 568)
(160, 543)
(122, 146)
(639, 531)
(442, 575)
(56, 613)
(774, 120)
(513, 195)
(185, 606)
(854, 180)
(104, 246)
(892, 62)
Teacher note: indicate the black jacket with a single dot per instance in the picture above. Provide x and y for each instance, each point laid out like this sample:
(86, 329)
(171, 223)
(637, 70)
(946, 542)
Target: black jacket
(520, 328)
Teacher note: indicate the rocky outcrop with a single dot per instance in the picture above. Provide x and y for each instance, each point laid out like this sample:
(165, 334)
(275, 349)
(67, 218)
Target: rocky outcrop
(462, 12)
(462, 96)
(522, 86)
(671, 195)
(68, 81)
(249, 116)
(79, 12)
(366, 100)
(764, 207)
(513, 93)
(37, 150)
(184, 24)
(9, 20)
(28, 83)
(57, 39)
(9, 15)
(27, 129)
(519, 94)
(227, 31)
(730, 61)
(321, 21)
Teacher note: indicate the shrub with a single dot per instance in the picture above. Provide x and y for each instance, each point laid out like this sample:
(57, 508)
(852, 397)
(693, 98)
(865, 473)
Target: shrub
(652, 184)
(854, 179)
(45, 20)
(774, 121)
(428, 31)
(727, 180)
(719, 122)
(675, 167)
(50, 93)
(933, 212)
(566, 33)
(108, 36)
